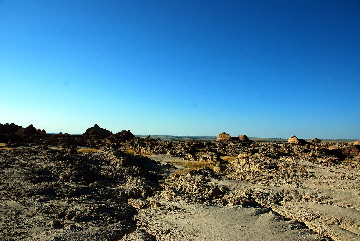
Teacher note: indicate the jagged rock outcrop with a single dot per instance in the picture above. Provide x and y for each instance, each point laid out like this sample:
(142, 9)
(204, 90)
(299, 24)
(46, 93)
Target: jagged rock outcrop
(9, 128)
(15, 135)
(124, 135)
(96, 130)
(30, 130)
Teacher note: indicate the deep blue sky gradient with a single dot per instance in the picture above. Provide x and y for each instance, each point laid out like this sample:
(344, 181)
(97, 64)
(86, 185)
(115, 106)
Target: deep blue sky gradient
(260, 68)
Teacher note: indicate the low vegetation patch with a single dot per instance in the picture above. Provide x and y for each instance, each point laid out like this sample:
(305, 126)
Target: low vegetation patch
(228, 158)
(129, 151)
(192, 165)
(87, 150)
(5, 148)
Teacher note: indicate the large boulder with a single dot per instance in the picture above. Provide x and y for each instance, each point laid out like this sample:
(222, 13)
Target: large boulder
(223, 137)
(244, 138)
(96, 130)
(294, 140)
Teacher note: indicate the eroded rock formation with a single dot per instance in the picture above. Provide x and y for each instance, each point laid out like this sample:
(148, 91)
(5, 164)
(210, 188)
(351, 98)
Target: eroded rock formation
(223, 137)
(103, 186)
(96, 130)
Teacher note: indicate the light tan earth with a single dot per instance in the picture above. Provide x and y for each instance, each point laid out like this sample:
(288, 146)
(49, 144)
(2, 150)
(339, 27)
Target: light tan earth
(178, 221)
(328, 203)
(325, 206)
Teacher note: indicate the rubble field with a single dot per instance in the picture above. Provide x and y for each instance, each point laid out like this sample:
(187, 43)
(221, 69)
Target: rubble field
(104, 186)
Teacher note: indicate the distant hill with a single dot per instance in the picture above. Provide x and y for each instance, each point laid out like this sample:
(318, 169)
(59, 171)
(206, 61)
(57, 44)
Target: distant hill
(179, 138)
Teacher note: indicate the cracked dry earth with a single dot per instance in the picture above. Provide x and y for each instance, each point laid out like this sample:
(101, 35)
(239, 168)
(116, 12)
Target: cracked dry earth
(60, 194)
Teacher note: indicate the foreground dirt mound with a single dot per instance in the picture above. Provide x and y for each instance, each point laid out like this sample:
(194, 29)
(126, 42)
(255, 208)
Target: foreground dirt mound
(65, 195)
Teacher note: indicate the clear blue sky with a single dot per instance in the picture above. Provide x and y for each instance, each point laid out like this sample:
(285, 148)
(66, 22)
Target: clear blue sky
(183, 67)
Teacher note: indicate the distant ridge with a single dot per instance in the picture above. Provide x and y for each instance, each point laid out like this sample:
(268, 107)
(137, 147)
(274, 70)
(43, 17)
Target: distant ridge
(213, 138)
(179, 138)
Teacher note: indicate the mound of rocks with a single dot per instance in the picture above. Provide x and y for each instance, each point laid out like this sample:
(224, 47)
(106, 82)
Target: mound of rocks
(96, 130)
(294, 140)
(11, 133)
(244, 138)
(315, 141)
(30, 130)
(9, 128)
(223, 137)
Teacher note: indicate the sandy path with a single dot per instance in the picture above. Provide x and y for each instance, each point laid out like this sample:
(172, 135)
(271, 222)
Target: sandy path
(179, 221)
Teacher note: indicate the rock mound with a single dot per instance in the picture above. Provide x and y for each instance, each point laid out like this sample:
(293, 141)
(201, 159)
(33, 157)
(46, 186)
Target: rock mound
(244, 138)
(96, 130)
(124, 135)
(9, 128)
(294, 140)
(30, 130)
(315, 141)
(223, 137)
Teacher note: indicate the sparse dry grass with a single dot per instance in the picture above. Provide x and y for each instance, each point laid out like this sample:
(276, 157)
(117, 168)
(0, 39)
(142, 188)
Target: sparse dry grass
(228, 158)
(5, 148)
(129, 151)
(87, 150)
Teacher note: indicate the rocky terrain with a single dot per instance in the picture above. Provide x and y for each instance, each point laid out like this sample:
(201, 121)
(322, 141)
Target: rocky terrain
(105, 186)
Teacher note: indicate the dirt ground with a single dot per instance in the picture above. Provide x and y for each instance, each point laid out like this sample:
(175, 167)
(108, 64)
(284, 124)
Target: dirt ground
(52, 194)
(327, 204)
